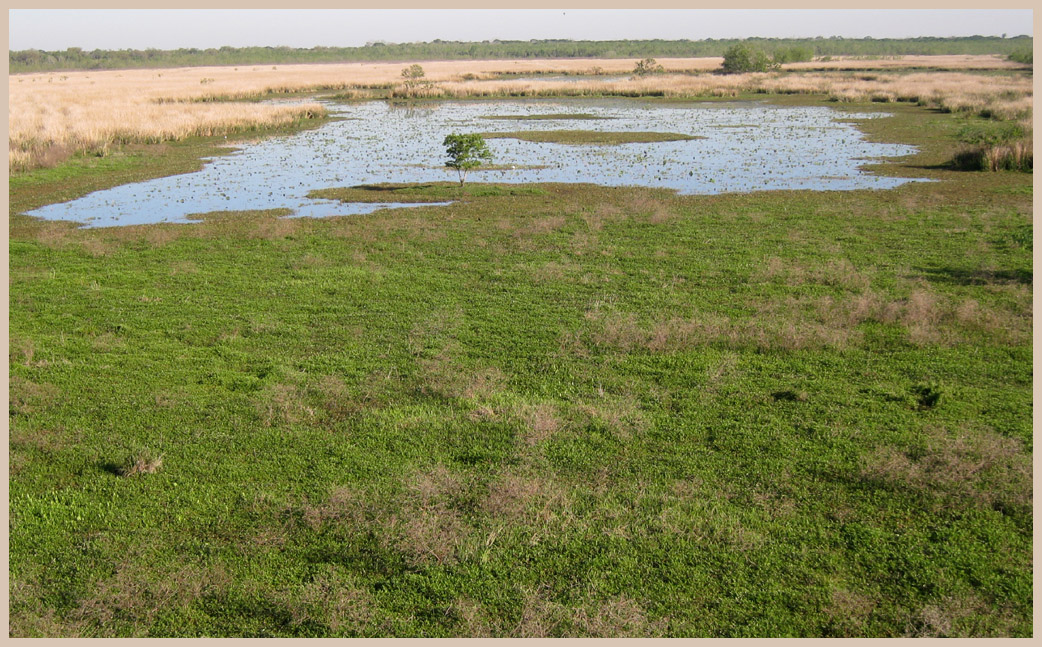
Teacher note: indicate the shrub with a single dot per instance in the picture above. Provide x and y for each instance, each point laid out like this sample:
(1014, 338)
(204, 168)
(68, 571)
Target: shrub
(793, 54)
(742, 58)
(1022, 56)
(647, 66)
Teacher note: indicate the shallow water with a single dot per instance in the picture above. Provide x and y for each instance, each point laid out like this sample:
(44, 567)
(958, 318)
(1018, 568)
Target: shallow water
(747, 147)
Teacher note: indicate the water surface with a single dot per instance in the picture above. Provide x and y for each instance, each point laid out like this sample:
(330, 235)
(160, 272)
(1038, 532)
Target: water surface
(746, 147)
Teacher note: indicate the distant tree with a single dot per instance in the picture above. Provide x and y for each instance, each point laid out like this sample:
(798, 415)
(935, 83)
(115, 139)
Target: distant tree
(466, 153)
(793, 54)
(648, 66)
(742, 58)
(413, 74)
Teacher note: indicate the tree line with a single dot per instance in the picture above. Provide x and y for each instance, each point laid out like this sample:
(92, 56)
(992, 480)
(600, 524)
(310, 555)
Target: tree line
(75, 58)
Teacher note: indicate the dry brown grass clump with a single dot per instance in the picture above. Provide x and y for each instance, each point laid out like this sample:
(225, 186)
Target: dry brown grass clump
(27, 397)
(430, 529)
(521, 498)
(970, 465)
(539, 422)
(144, 463)
(541, 617)
(848, 611)
(332, 599)
(928, 317)
(284, 404)
(130, 601)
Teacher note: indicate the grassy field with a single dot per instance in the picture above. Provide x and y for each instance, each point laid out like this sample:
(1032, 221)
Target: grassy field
(554, 410)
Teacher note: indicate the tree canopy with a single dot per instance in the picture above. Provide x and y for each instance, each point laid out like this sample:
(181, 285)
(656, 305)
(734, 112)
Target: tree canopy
(466, 153)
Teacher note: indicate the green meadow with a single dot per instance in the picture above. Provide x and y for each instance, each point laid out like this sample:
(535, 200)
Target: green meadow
(541, 410)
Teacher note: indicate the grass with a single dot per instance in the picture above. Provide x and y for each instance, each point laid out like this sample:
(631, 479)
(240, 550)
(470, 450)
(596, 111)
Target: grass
(554, 410)
(589, 137)
(432, 192)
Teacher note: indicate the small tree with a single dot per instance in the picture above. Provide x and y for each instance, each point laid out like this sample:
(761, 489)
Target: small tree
(466, 153)
(648, 66)
(413, 74)
(742, 58)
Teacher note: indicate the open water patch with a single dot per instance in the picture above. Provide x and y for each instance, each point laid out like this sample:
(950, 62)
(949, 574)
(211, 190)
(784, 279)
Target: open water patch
(739, 147)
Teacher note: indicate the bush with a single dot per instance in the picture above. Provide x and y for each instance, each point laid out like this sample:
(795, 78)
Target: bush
(648, 66)
(793, 55)
(742, 58)
(1022, 56)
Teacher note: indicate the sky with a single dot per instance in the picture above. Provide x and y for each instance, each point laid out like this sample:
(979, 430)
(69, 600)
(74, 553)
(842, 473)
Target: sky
(58, 29)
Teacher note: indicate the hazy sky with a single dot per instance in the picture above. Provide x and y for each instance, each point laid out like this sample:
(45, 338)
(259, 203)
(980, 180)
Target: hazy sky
(56, 29)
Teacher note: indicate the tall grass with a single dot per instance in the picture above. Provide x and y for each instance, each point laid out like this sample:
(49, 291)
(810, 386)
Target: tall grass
(54, 115)
(1013, 156)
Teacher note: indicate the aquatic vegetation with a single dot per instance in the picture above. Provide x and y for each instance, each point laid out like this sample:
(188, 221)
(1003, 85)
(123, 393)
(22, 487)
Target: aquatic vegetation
(591, 137)
(376, 142)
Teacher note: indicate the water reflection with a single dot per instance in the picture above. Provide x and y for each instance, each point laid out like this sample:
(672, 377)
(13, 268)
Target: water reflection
(746, 147)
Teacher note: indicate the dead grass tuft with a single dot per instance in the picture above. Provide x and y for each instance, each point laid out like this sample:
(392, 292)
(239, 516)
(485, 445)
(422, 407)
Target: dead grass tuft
(959, 616)
(620, 415)
(430, 528)
(26, 397)
(30, 616)
(619, 617)
(540, 422)
(520, 498)
(284, 404)
(847, 612)
(130, 600)
(143, 463)
(333, 599)
(977, 465)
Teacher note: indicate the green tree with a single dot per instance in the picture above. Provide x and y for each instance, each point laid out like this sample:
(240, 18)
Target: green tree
(742, 58)
(413, 74)
(648, 66)
(466, 153)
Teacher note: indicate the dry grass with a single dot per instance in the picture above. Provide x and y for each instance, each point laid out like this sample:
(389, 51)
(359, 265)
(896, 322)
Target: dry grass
(143, 463)
(835, 272)
(332, 599)
(928, 317)
(284, 404)
(848, 612)
(429, 529)
(131, 600)
(51, 117)
(618, 617)
(539, 421)
(963, 616)
(971, 465)
(26, 397)
(518, 497)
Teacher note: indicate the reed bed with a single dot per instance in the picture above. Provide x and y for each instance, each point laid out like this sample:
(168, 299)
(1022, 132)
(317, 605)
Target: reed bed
(56, 114)
(1000, 98)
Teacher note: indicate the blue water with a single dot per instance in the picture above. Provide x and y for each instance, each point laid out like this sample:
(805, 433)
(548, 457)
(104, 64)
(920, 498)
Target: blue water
(747, 147)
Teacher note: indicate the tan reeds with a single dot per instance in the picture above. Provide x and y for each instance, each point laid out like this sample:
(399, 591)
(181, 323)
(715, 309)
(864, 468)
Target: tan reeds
(53, 115)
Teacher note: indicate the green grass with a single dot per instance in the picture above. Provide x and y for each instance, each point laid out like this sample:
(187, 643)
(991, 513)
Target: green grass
(430, 192)
(589, 137)
(554, 410)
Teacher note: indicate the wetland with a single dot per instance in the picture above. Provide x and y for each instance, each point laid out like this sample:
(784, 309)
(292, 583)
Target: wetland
(694, 148)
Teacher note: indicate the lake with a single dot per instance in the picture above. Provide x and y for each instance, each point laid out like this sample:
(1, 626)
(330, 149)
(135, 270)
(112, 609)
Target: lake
(745, 146)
